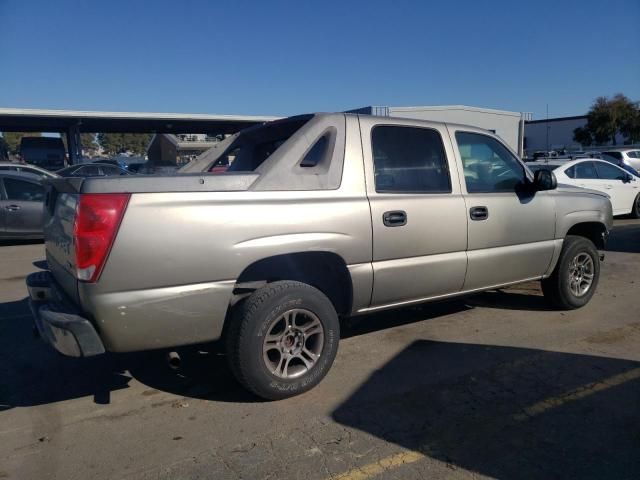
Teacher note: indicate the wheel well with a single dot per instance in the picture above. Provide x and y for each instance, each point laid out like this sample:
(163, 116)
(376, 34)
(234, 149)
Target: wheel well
(594, 231)
(326, 271)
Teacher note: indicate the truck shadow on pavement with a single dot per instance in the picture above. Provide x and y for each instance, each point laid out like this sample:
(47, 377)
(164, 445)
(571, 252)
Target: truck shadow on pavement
(34, 374)
(625, 238)
(504, 412)
(31, 373)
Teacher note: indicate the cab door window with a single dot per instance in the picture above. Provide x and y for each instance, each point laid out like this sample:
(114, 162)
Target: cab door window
(488, 166)
(609, 172)
(20, 190)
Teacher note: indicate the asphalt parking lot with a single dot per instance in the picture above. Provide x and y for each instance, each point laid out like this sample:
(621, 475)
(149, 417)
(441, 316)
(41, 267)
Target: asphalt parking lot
(495, 385)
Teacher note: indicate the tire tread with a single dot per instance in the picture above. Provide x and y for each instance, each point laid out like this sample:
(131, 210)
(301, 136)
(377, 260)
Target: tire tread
(238, 329)
(552, 287)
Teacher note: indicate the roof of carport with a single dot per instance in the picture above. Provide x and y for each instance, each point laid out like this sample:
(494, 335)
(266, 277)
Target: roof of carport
(36, 120)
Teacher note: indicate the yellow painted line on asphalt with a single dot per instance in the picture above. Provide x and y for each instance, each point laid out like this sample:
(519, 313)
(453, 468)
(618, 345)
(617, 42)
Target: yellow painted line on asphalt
(403, 458)
(577, 394)
(373, 469)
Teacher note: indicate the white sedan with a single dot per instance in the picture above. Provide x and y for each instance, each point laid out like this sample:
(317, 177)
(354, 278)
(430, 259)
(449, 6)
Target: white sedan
(620, 185)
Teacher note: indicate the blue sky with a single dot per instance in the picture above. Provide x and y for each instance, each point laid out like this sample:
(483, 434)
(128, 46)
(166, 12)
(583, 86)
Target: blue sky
(279, 58)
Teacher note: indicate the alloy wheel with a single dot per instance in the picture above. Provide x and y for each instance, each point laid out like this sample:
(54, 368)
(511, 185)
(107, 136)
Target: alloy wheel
(293, 343)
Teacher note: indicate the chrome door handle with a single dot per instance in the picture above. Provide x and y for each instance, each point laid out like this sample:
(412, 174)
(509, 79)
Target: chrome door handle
(12, 208)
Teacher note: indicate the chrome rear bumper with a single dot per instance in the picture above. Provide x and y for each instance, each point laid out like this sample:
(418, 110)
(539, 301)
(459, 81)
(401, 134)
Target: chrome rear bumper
(58, 322)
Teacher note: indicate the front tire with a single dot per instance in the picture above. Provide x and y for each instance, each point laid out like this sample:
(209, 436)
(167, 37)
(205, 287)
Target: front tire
(575, 278)
(283, 339)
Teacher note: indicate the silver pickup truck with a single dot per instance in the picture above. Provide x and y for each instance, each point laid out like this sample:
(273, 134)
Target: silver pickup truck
(282, 229)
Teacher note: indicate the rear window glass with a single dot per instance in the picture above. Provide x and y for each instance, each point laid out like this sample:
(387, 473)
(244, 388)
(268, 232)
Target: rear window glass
(409, 160)
(255, 145)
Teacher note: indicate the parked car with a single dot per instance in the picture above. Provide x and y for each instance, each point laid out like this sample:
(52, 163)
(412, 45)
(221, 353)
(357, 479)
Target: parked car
(92, 170)
(114, 161)
(138, 167)
(21, 205)
(318, 217)
(549, 166)
(38, 172)
(44, 152)
(620, 162)
(628, 156)
(622, 187)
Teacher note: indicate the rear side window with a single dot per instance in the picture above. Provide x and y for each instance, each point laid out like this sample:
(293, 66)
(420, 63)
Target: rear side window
(409, 160)
(110, 170)
(88, 171)
(23, 191)
(570, 172)
(585, 170)
(317, 153)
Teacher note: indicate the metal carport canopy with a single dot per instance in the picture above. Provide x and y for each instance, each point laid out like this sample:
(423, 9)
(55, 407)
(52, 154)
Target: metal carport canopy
(36, 120)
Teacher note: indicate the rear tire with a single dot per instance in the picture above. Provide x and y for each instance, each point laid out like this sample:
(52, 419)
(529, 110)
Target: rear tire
(635, 210)
(283, 339)
(575, 278)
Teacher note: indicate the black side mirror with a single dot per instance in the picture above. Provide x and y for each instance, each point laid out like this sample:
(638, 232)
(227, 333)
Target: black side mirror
(544, 180)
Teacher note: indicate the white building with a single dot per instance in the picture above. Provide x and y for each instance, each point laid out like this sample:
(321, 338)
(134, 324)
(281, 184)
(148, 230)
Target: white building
(507, 125)
(555, 134)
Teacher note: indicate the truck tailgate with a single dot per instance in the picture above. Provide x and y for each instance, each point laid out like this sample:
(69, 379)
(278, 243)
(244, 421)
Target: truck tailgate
(59, 216)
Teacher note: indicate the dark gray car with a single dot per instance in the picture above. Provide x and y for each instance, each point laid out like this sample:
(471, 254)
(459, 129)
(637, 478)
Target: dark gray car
(92, 170)
(21, 206)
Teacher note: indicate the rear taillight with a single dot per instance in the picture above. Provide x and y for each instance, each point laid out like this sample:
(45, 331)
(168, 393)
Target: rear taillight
(97, 221)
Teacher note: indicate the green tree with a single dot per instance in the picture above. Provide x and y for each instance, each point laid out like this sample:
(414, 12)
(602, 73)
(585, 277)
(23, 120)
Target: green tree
(4, 149)
(601, 122)
(630, 123)
(114, 143)
(12, 139)
(609, 117)
(88, 141)
(582, 135)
